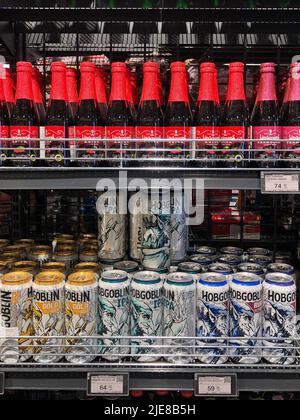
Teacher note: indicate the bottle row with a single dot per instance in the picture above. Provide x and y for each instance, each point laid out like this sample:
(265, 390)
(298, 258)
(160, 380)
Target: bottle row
(74, 127)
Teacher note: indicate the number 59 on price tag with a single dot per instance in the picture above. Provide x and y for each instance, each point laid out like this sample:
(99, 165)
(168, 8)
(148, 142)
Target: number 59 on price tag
(215, 385)
(110, 385)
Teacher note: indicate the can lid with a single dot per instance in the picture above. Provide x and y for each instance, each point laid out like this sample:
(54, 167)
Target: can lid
(251, 268)
(114, 276)
(147, 277)
(54, 266)
(24, 265)
(15, 249)
(279, 279)
(49, 278)
(190, 268)
(259, 251)
(89, 252)
(82, 278)
(41, 250)
(128, 266)
(66, 242)
(221, 268)
(7, 260)
(230, 259)
(64, 236)
(90, 266)
(213, 279)
(263, 260)
(161, 270)
(4, 242)
(201, 259)
(206, 250)
(11, 256)
(25, 242)
(64, 253)
(180, 279)
(16, 278)
(281, 268)
(245, 279)
(232, 250)
(87, 236)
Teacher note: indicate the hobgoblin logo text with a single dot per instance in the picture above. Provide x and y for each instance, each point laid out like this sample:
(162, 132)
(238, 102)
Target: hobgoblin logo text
(246, 296)
(215, 297)
(47, 296)
(149, 295)
(6, 308)
(78, 297)
(114, 294)
(282, 297)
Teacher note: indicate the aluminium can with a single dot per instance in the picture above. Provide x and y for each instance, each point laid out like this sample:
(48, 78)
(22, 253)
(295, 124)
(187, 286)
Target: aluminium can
(48, 316)
(260, 251)
(279, 323)
(55, 266)
(232, 260)
(114, 315)
(31, 267)
(213, 299)
(262, 260)
(40, 253)
(232, 250)
(69, 257)
(130, 267)
(81, 316)
(191, 268)
(203, 260)
(224, 269)
(208, 251)
(179, 324)
(136, 230)
(179, 230)
(246, 311)
(88, 256)
(252, 268)
(146, 316)
(16, 314)
(282, 268)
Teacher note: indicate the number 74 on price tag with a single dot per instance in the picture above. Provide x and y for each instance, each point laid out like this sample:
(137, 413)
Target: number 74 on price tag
(280, 183)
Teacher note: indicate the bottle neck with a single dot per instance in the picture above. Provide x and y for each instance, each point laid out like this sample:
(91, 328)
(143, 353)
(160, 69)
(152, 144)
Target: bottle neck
(87, 87)
(236, 87)
(294, 91)
(2, 96)
(287, 90)
(129, 93)
(100, 89)
(58, 87)
(179, 88)
(207, 87)
(37, 94)
(8, 87)
(267, 88)
(72, 89)
(118, 87)
(150, 87)
(24, 86)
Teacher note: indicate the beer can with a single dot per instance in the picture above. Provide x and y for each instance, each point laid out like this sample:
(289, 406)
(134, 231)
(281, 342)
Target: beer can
(179, 230)
(136, 230)
(232, 250)
(213, 299)
(66, 243)
(41, 253)
(81, 305)
(29, 243)
(284, 257)
(262, 260)
(130, 267)
(89, 266)
(70, 258)
(64, 237)
(224, 269)
(87, 236)
(203, 260)
(31, 267)
(191, 268)
(252, 268)
(16, 314)
(48, 316)
(260, 251)
(88, 256)
(55, 266)
(282, 268)
(208, 251)
(3, 268)
(146, 316)
(17, 251)
(180, 318)
(8, 261)
(112, 231)
(114, 314)
(246, 312)
(279, 323)
(232, 260)
(3, 244)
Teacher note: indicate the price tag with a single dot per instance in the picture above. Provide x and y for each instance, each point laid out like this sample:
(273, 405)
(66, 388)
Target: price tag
(108, 384)
(2, 382)
(216, 385)
(280, 183)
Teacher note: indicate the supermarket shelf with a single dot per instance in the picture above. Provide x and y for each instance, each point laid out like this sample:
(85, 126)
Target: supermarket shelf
(172, 379)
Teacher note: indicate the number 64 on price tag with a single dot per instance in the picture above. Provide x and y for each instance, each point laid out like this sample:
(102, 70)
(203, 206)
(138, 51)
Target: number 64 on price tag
(215, 385)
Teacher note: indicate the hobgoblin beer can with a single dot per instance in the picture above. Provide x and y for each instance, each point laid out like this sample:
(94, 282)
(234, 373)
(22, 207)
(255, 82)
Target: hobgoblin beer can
(232, 250)
(213, 299)
(130, 267)
(262, 260)
(282, 268)
(203, 260)
(41, 253)
(48, 316)
(114, 315)
(16, 315)
(3, 268)
(136, 230)
(88, 256)
(68, 257)
(252, 268)
(146, 316)
(260, 251)
(232, 260)
(55, 266)
(191, 268)
(112, 232)
(31, 267)
(179, 230)
(156, 240)
(279, 324)
(180, 318)
(246, 311)
(208, 251)
(81, 305)
(223, 269)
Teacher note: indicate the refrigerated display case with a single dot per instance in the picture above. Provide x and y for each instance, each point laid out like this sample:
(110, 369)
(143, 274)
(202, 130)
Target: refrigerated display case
(40, 202)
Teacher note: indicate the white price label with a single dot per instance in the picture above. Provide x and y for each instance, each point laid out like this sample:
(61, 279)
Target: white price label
(210, 385)
(106, 385)
(281, 183)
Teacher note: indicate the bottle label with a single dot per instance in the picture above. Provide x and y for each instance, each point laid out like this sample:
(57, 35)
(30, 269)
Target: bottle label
(149, 132)
(232, 133)
(120, 133)
(178, 133)
(20, 136)
(55, 148)
(88, 134)
(4, 131)
(211, 135)
(292, 134)
(268, 136)
(55, 132)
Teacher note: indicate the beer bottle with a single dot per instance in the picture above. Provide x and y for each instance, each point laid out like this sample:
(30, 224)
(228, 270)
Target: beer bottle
(265, 119)
(4, 125)
(101, 92)
(24, 123)
(89, 125)
(72, 93)
(8, 88)
(38, 97)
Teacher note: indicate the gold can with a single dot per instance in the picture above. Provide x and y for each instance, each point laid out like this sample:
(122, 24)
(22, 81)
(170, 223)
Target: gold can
(55, 266)
(9, 261)
(87, 236)
(16, 312)
(40, 254)
(31, 267)
(70, 258)
(64, 237)
(29, 243)
(20, 250)
(3, 268)
(66, 243)
(88, 266)
(3, 244)
(88, 256)
(48, 316)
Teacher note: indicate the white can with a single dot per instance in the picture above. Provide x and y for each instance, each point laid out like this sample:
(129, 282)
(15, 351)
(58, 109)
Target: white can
(180, 318)
(246, 311)
(114, 315)
(48, 316)
(16, 316)
(279, 323)
(213, 299)
(191, 268)
(136, 236)
(179, 230)
(146, 316)
(81, 299)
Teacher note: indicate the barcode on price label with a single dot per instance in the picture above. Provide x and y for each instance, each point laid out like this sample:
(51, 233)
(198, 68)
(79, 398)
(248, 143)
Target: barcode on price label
(109, 385)
(216, 385)
(280, 183)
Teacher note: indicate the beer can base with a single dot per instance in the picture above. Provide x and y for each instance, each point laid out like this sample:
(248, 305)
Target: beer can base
(213, 360)
(47, 359)
(79, 360)
(147, 359)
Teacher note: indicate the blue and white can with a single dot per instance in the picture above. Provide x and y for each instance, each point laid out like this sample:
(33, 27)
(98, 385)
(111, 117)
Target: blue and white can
(232, 250)
(246, 311)
(262, 260)
(208, 251)
(260, 251)
(130, 267)
(191, 268)
(203, 260)
(251, 268)
(223, 269)
(232, 260)
(212, 318)
(287, 269)
(280, 318)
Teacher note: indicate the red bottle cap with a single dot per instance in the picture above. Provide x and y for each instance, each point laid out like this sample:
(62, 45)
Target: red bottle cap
(24, 65)
(207, 83)
(2, 97)
(207, 65)
(8, 86)
(100, 86)
(58, 66)
(151, 66)
(178, 66)
(36, 89)
(137, 394)
(162, 393)
(237, 66)
(236, 84)
(24, 81)
(59, 81)
(119, 82)
(118, 67)
(187, 394)
(179, 84)
(150, 90)
(71, 78)
(87, 85)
